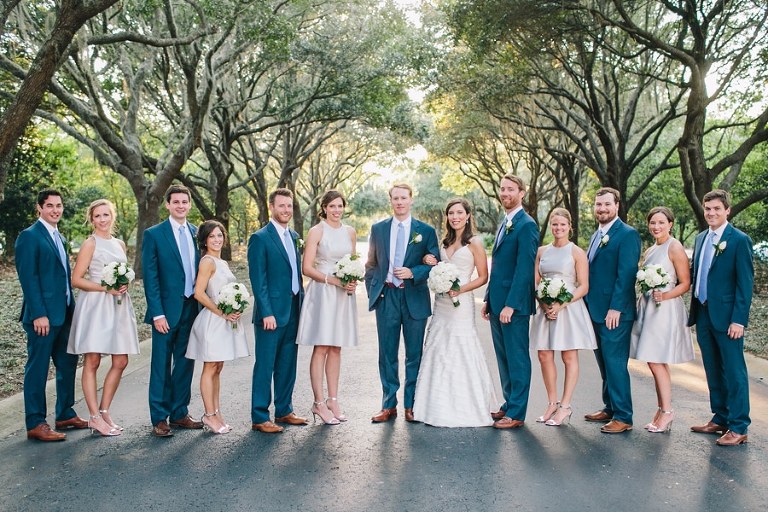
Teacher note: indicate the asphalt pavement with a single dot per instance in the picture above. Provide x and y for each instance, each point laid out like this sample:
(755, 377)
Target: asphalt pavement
(395, 466)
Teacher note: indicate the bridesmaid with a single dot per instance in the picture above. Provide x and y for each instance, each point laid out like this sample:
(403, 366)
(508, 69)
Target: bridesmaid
(214, 339)
(100, 324)
(565, 327)
(328, 318)
(660, 335)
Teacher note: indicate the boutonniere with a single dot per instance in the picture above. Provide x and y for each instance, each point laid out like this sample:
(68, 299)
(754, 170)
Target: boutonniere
(720, 247)
(299, 243)
(415, 239)
(604, 241)
(509, 226)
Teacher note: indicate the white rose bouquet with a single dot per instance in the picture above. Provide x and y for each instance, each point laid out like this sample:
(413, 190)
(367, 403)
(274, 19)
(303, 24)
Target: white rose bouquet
(443, 278)
(553, 289)
(349, 268)
(116, 275)
(652, 277)
(233, 298)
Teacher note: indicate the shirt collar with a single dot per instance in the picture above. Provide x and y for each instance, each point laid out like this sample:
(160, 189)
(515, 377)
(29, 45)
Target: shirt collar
(280, 229)
(175, 225)
(719, 231)
(511, 215)
(406, 222)
(606, 228)
(50, 228)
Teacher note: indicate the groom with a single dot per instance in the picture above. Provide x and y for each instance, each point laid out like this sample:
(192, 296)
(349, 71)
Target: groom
(274, 265)
(509, 301)
(396, 280)
(723, 276)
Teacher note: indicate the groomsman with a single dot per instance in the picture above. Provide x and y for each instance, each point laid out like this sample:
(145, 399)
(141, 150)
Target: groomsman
(509, 301)
(46, 315)
(396, 281)
(169, 258)
(274, 265)
(614, 253)
(723, 276)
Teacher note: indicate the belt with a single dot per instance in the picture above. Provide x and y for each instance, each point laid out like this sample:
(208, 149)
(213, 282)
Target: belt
(392, 285)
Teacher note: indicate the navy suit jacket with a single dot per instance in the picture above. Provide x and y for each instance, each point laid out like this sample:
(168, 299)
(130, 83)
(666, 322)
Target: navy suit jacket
(417, 298)
(44, 280)
(164, 272)
(512, 282)
(730, 280)
(612, 274)
(270, 273)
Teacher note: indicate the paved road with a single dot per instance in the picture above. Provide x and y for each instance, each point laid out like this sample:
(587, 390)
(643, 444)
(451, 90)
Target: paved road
(390, 467)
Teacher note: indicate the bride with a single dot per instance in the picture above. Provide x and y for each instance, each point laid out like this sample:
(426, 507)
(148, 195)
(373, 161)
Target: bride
(454, 387)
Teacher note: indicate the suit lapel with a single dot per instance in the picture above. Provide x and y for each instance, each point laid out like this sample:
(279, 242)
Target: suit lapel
(726, 236)
(611, 232)
(697, 253)
(170, 238)
(415, 226)
(386, 234)
(277, 241)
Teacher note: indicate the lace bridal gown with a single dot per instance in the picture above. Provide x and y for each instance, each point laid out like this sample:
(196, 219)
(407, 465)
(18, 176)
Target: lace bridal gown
(454, 386)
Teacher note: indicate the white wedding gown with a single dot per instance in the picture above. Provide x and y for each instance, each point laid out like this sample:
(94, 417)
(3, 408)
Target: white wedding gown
(454, 386)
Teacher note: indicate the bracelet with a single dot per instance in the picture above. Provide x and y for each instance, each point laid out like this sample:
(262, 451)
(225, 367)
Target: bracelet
(326, 278)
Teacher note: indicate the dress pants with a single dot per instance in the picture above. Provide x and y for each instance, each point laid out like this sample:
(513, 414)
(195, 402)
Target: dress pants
(511, 343)
(612, 355)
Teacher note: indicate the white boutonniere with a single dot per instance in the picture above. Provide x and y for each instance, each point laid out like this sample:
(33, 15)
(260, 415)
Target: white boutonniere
(604, 241)
(299, 243)
(416, 238)
(509, 226)
(720, 247)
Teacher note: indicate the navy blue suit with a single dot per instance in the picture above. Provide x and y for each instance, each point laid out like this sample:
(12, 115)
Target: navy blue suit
(612, 275)
(276, 350)
(512, 283)
(406, 308)
(170, 377)
(729, 296)
(45, 282)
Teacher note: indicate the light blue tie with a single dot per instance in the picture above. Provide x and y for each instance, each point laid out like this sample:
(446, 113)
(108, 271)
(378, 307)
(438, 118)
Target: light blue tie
(62, 254)
(706, 262)
(288, 242)
(595, 244)
(186, 261)
(501, 229)
(399, 252)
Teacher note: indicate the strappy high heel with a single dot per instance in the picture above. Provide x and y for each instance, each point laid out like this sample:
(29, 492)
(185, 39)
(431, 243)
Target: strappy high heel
(560, 416)
(654, 420)
(328, 419)
(551, 410)
(218, 413)
(340, 415)
(207, 425)
(665, 423)
(105, 415)
(97, 424)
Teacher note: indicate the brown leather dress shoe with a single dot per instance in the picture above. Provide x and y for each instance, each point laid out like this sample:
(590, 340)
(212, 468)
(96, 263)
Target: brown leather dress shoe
(498, 415)
(385, 415)
(291, 419)
(507, 422)
(615, 427)
(731, 438)
(598, 416)
(709, 428)
(72, 423)
(162, 429)
(409, 416)
(267, 427)
(187, 422)
(43, 432)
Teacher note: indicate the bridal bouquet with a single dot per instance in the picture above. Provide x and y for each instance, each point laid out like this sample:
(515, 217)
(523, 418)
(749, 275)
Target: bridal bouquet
(553, 289)
(233, 298)
(443, 278)
(349, 268)
(116, 275)
(652, 277)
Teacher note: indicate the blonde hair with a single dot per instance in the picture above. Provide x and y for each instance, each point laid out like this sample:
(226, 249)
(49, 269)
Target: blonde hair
(101, 202)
